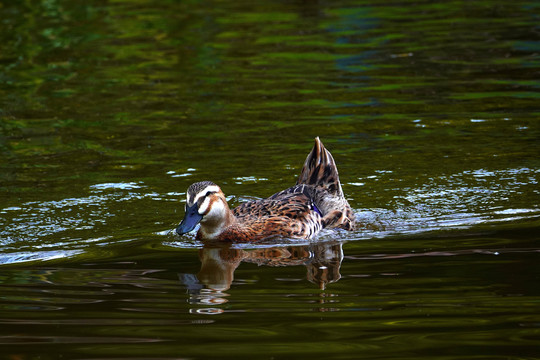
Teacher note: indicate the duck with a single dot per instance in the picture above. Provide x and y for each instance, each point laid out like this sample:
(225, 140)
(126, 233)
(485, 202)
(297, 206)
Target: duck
(314, 203)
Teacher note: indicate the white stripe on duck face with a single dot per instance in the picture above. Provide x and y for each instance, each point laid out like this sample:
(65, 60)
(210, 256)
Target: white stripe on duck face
(212, 208)
(203, 209)
(193, 198)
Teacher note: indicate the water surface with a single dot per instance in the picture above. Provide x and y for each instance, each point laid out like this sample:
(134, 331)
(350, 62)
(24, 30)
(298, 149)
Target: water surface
(110, 110)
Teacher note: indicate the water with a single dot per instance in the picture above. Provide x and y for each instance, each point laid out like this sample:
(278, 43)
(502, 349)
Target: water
(109, 111)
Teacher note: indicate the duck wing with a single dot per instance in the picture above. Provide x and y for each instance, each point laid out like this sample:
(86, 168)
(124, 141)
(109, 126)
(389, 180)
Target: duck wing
(289, 214)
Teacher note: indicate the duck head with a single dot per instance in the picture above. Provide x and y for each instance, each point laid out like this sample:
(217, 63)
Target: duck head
(205, 204)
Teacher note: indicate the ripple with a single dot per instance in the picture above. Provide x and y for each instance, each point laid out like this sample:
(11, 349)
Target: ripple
(14, 340)
(249, 179)
(116, 186)
(18, 257)
(453, 201)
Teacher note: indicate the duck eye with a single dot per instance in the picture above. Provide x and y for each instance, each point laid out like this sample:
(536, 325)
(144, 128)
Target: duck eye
(209, 193)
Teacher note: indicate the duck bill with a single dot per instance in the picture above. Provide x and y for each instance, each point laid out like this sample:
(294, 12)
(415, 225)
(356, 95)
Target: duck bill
(191, 219)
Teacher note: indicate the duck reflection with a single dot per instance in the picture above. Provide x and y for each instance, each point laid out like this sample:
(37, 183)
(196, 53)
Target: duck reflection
(218, 263)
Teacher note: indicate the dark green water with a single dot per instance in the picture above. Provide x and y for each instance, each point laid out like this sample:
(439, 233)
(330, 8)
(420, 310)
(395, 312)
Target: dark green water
(109, 110)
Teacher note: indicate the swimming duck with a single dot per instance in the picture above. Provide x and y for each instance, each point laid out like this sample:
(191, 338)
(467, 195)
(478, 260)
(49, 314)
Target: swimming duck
(300, 212)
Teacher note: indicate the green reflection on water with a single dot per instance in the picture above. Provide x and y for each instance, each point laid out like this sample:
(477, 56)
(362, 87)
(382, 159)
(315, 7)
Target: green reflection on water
(109, 110)
(130, 91)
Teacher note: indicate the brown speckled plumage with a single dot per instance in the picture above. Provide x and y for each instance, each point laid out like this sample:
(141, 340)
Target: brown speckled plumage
(301, 211)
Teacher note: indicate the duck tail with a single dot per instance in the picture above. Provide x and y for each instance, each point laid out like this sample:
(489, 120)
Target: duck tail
(320, 170)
